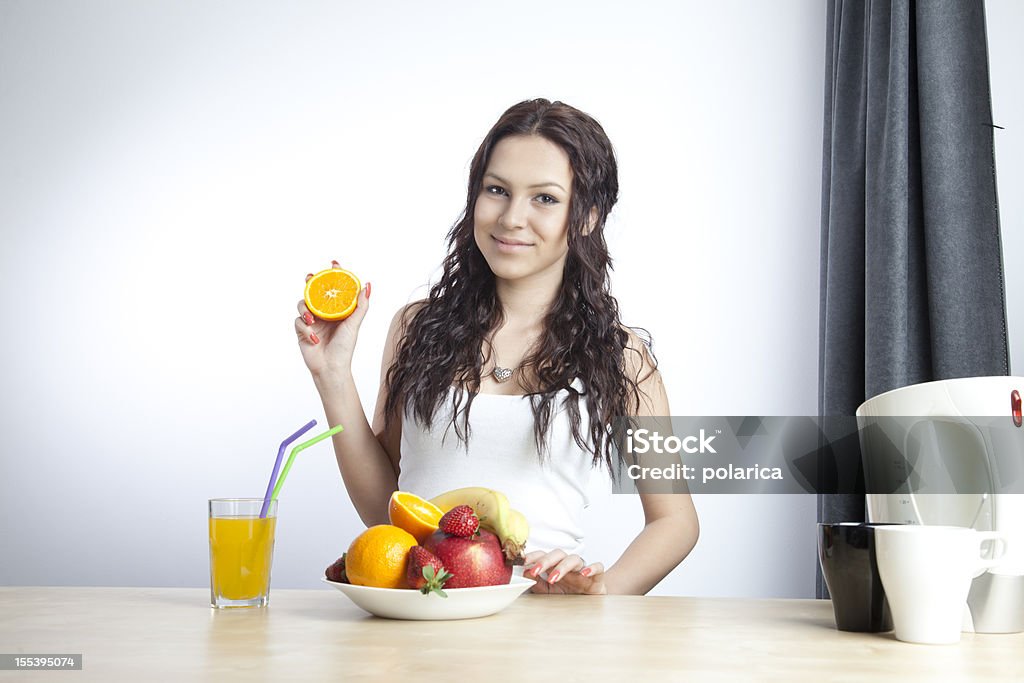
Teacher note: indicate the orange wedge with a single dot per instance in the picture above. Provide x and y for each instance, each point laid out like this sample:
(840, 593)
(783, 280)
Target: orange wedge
(417, 516)
(332, 294)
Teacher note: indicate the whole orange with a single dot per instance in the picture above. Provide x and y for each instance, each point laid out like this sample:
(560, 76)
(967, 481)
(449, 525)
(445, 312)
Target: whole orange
(377, 557)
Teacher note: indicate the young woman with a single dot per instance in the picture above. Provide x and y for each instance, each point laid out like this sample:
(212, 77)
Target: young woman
(510, 373)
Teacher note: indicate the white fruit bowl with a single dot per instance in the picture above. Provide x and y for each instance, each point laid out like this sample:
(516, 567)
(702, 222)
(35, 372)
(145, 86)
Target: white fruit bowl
(461, 603)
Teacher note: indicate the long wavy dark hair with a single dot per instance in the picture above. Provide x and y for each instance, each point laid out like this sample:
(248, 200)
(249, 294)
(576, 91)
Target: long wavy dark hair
(446, 340)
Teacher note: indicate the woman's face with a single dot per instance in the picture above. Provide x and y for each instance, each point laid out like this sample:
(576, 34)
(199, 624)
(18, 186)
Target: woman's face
(521, 220)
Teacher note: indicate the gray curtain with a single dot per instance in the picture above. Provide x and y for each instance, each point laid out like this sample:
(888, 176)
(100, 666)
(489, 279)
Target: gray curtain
(911, 263)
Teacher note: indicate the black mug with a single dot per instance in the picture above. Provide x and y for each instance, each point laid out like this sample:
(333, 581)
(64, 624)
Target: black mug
(847, 555)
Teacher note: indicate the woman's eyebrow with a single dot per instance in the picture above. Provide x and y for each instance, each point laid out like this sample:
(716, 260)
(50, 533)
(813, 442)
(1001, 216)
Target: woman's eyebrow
(502, 180)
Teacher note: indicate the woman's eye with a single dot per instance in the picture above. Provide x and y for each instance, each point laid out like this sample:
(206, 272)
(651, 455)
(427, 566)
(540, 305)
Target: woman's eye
(494, 189)
(547, 199)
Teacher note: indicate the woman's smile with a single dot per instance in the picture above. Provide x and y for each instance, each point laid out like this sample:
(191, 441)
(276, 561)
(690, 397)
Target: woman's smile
(507, 245)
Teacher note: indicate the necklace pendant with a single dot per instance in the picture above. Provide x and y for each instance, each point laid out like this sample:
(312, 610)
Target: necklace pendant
(502, 374)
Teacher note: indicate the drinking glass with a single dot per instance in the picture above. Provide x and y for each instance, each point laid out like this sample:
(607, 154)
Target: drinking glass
(241, 551)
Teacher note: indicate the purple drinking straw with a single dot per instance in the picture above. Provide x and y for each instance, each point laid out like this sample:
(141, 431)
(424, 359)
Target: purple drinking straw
(277, 464)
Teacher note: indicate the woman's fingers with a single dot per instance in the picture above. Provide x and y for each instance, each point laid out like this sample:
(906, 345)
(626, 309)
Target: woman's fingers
(543, 563)
(362, 304)
(304, 324)
(305, 332)
(556, 564)
(574, 582)
(577, 583)
(570, 563)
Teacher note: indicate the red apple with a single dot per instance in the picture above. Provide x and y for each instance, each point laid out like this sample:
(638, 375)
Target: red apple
(474, 561)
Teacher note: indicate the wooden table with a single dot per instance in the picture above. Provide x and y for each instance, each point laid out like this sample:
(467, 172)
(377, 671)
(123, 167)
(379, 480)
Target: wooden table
(148, 634)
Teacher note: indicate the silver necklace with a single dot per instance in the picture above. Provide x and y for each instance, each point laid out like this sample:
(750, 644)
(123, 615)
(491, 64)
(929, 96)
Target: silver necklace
(502, 374)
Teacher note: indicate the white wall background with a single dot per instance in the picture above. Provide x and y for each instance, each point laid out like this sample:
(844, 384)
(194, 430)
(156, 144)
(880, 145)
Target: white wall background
(1005, 19)
(169, 171)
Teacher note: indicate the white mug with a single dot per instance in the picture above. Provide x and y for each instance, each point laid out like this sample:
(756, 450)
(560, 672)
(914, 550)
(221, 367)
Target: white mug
(927, 572)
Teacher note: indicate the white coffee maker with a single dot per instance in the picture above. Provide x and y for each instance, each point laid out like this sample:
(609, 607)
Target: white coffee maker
(973, 443)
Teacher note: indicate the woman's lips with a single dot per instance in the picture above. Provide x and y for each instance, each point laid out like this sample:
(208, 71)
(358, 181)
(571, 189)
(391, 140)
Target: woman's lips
(510, 247)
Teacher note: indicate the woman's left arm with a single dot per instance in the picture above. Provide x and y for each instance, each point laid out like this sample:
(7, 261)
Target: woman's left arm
(670, 528)
(669, 534)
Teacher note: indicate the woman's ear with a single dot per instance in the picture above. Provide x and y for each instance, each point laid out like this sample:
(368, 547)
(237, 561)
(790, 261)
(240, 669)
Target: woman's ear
(591, 221)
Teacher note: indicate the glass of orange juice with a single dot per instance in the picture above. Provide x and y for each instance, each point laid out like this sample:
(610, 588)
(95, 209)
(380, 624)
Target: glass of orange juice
(241, 550)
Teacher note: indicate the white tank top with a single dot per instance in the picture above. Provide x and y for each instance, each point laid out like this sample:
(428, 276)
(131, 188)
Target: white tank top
(502, 455)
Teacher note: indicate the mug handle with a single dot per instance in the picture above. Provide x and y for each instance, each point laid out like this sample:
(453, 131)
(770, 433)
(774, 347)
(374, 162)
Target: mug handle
(999, 544)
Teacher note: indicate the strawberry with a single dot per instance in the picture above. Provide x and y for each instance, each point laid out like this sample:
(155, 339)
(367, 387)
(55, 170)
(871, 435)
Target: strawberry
(336, 572)
(460, 521)
(425, 572)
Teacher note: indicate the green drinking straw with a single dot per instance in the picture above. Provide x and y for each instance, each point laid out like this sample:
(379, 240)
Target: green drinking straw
(301, 447)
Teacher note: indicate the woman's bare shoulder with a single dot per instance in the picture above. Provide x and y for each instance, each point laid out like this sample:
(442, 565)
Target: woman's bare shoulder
(636, 355)
(641, 368)
(404, 315)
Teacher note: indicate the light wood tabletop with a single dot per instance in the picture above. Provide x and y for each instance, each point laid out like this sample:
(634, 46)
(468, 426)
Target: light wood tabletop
(147, 634)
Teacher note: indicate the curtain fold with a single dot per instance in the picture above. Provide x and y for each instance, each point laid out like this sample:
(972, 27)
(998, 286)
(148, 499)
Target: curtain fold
(911, 260)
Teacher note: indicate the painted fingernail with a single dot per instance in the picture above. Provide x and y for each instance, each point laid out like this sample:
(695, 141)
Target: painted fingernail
(313, 338)
(335, 264)
(553, 577)
(586, 571)
(367, 291)
(536, 570)
(307, 318)
(308, 275)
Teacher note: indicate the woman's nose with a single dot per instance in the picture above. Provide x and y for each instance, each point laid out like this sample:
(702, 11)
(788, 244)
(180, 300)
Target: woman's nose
(514, 215)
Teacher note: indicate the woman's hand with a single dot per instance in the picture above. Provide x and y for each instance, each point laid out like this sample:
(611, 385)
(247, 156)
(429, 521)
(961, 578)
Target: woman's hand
(563, 574)
(327, 345)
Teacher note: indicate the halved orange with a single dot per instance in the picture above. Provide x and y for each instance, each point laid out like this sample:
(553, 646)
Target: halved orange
(414, 514)
(332, 294)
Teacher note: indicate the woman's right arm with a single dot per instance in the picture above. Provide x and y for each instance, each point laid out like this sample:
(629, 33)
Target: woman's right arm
(367, 457)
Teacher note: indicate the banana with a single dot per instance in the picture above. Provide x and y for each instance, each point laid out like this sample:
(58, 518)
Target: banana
(495, 513)
(489, 505)
(517, 530)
